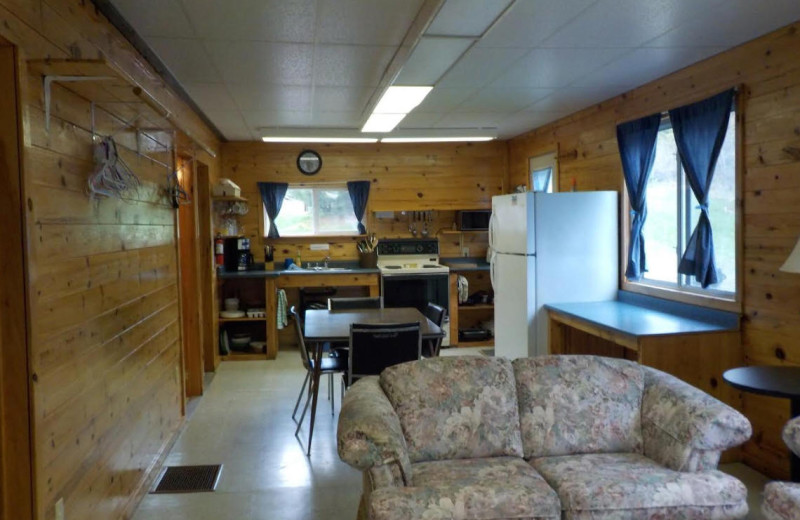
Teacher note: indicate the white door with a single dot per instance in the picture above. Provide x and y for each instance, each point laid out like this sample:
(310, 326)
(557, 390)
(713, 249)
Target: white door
(513, 280)
(511, 228)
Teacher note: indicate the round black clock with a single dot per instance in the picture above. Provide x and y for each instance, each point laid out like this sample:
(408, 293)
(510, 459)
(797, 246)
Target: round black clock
(309, 162)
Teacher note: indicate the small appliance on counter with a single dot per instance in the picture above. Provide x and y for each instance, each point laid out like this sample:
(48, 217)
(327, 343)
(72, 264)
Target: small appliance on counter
(237, 255)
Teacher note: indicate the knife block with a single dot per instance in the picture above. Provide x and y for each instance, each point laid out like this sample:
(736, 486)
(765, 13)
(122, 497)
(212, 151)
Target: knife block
(368, 260)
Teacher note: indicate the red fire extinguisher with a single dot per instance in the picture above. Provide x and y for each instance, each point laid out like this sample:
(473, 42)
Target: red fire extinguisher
(219, 250)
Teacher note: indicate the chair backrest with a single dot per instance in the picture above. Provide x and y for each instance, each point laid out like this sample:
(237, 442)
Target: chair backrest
(365, 302)
(301, 342)
(375, 347)
(435, 313)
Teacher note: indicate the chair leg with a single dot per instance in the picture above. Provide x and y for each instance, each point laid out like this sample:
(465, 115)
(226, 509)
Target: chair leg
(303, 415)
(302, 390)
(330, 388)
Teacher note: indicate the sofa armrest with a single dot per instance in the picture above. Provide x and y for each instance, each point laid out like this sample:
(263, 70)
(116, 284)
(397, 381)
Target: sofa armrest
(791, 435)
(683, 427)
(370, 437)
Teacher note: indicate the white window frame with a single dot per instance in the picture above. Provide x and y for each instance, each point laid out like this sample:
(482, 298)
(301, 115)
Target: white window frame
(541, 162)
(723, 300)
(315, 188)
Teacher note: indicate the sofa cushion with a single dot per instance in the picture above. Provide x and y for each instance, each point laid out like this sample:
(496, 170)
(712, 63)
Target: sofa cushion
(781, 501)
(579, 404)
(455, 407)
(469, 489)
(625, 485)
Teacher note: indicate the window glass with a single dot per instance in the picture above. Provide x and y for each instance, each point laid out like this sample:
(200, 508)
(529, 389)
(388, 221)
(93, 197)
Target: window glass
(672, 214)
(315, 211)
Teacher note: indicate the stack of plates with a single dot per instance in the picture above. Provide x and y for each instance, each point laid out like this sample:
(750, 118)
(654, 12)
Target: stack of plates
(231, 314)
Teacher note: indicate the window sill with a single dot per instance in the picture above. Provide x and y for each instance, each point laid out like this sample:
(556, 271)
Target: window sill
(710, 301)
(311, 238)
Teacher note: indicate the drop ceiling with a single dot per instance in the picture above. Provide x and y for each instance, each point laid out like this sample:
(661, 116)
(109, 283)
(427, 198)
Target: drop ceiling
(500, 64)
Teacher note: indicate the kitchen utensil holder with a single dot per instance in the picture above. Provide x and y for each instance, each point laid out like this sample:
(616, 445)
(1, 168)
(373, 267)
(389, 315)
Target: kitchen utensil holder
(368, 260)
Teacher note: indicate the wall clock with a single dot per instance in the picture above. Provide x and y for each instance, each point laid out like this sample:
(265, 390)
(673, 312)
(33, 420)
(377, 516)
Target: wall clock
(309, 162)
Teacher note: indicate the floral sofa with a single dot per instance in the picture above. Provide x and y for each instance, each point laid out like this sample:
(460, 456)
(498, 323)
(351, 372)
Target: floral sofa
(782, 499)
(574, 437)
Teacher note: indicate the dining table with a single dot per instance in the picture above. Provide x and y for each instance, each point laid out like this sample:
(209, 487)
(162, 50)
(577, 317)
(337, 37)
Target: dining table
(324, 326)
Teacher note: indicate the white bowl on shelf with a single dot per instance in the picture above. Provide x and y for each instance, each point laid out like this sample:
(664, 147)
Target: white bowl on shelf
(258, 346)
(256, 313)
(229, 315)
(231, 304)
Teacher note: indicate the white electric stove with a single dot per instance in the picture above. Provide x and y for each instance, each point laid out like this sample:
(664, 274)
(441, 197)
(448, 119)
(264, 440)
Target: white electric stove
(411, 275)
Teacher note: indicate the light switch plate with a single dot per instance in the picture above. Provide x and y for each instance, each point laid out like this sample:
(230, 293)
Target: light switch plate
(319, 247)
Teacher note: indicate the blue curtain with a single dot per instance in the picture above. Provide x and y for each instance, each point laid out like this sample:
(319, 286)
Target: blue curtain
(359, 194)
(272, 194)
(637, 149)
(699, 132)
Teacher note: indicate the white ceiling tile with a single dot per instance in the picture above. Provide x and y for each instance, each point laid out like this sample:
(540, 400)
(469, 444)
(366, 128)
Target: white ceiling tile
(265, 97)
(442, 99)
(573, 99)
(503, 99)
(253, 20)
(531, 21)
(466, 17)
(262, 63)
(338, 65)
(555, 68)
(337, 119)
(479, 66)
(210, 96)
(230, 123)
(470, 120)
(163, 18)
(731, 23)
(420, 119)
(643, 65)
(347, 99)
(625, 23)
(376, 22)
(273, 118)
(186, 59)
(430, 60)
(524, 121)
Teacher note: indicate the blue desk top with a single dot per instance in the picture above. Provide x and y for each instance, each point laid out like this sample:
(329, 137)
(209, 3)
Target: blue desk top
(640, 316)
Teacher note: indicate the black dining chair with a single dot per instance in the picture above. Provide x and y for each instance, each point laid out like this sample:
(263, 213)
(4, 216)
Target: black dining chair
(436, 314)
(328, 365)
(375, 347)
(363, 302)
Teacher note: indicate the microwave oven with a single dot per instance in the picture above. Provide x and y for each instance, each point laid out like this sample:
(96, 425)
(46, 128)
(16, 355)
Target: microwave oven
(474, 220)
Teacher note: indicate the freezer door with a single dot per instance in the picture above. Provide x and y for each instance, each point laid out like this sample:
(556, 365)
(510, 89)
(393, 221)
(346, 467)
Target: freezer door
(511, 228)
(514, 281)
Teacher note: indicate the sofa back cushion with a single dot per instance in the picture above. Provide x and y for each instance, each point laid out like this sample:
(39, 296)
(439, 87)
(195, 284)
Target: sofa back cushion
(455, 407)
(579, 404)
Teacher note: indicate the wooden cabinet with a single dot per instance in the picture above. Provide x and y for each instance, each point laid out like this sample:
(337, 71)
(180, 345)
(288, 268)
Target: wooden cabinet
(470, 316)
(251, 294)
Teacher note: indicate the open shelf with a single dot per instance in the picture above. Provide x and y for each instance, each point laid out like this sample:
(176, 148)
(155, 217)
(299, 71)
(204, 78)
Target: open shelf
(233, 320)
(229, 198)
(477, 307)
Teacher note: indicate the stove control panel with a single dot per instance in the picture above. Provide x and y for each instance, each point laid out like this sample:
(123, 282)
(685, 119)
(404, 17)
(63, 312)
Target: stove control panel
(408, 246)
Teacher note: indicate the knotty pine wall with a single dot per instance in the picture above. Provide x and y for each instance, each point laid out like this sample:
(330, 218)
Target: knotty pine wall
(769, 71)
(437, 177)
(104, 340)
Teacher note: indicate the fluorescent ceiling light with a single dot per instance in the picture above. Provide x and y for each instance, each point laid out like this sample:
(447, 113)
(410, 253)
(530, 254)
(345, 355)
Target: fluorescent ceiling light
(294, 139)
(401, 100)
(435, 139)
(382, 122)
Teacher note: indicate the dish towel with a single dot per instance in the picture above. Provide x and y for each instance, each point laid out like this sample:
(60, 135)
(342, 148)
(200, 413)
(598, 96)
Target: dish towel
(463, 289)
(281, 309)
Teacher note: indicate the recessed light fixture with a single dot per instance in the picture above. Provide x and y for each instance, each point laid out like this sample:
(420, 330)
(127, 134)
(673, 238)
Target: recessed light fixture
(294, 139)
(434, 139)
(393, 106)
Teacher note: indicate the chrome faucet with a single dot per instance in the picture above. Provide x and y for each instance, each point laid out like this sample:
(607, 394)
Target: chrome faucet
(326, 261)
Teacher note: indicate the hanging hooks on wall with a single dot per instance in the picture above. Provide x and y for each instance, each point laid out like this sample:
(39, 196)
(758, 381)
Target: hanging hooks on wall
(112, 177)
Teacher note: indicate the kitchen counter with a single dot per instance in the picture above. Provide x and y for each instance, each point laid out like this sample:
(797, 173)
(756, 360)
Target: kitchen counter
(339, 267)
(459, 264)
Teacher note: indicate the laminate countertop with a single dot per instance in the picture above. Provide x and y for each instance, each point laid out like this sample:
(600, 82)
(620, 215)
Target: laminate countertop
(258, 271)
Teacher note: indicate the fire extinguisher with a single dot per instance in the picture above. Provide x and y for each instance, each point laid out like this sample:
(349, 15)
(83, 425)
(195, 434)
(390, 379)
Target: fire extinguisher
(219, 250)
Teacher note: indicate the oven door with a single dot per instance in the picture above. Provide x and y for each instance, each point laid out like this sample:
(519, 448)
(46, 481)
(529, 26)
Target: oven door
(415, 290)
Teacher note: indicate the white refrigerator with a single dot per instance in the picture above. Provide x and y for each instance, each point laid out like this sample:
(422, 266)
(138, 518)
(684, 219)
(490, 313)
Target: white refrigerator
(548, 248)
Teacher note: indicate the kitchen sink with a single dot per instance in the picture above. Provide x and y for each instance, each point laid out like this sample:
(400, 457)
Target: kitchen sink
(326, 269)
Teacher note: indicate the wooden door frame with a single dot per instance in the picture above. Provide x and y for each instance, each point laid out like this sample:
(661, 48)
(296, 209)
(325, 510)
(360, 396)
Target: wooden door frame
(205, 264)
(16, 455)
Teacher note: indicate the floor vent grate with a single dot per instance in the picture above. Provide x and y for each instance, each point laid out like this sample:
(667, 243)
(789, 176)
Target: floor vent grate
(188, 479)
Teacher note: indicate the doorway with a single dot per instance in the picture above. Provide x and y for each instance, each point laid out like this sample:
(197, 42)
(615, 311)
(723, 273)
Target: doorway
(16, 495)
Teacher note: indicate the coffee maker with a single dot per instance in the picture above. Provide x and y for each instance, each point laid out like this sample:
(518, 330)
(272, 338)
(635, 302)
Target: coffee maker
(237, 256)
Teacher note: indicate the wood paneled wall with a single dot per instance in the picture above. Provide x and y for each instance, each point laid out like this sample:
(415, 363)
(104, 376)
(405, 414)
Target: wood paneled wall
(441, 177)
(104, 342)
(769, 71)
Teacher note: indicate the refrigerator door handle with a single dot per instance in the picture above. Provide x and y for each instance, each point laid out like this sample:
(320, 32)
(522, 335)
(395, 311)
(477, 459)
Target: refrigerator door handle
(491, 230)
(491, 272)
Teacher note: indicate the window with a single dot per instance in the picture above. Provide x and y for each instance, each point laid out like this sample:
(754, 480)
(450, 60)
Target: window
(672, 213)
(310, 211)
(544, 169)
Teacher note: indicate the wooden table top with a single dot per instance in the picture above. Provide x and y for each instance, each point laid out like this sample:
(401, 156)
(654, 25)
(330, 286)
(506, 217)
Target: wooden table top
(325, 325)
(774, 381)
